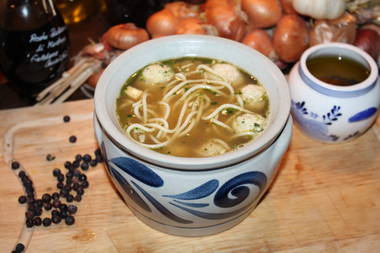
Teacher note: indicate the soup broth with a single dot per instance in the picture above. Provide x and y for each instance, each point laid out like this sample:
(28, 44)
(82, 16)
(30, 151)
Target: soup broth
(192, 107)
(337, 70)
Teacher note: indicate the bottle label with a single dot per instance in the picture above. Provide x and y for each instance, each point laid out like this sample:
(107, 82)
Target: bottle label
(47, 45)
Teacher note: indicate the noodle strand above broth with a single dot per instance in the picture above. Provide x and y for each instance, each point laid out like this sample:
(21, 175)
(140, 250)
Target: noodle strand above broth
(192, 107)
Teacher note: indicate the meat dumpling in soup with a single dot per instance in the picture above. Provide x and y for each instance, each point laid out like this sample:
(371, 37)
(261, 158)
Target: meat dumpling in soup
(248, 122)
(155, 74)
(254, 97)
(227, 72)
(212, 147)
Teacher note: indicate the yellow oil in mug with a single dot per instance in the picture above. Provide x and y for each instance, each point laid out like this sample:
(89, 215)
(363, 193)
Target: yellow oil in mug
(337, 70)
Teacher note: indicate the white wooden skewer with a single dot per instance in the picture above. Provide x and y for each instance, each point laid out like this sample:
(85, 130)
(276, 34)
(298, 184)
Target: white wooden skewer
(57, 83)
(78, 82)
(66, 83)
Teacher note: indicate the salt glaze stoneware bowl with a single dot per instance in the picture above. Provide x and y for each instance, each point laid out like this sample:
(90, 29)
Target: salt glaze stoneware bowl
(192, 196)
(331, 113)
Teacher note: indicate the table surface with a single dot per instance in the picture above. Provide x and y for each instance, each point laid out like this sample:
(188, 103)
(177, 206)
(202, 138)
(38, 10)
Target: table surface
(324, 199)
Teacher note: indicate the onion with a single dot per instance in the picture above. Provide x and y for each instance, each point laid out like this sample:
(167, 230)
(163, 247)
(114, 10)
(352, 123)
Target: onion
(223, 15)
(369, 41)
(287, 6)
(342, 29)
(261, 41)
(162, 23)
(124, 36)
(290, 38)
(262, 13)
(93, 79)
(190, 26)
(183, 10)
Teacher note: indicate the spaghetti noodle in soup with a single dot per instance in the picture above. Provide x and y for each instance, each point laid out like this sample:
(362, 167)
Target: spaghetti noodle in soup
(192, 107)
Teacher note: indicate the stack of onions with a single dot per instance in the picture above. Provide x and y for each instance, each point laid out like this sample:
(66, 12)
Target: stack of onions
(279, 29)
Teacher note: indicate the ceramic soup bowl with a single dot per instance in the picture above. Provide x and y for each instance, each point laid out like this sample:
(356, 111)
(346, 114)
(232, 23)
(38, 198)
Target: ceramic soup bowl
(192, 196)
(332, 113)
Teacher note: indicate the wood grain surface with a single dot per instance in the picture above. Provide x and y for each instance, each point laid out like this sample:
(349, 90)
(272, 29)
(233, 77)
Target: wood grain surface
(326, 197)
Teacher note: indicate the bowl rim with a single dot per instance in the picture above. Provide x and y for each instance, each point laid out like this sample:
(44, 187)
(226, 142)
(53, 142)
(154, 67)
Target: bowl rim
(188, 163)
(369, 81)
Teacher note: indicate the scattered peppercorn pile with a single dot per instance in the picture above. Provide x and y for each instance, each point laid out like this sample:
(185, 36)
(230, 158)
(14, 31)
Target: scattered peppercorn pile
(58, 206)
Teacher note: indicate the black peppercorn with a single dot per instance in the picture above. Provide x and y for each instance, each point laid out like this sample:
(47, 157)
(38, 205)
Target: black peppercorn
(78, 198)
(86, 158)
(60, 185)
(29, 214)
(46, 198)
(29, 223)
(78, 157)
(93, 163)
(50, 157)
(69, 198)
(56, 172)
(55, 195)
(46, 222)
(72, 209)
(66, 118)
(82, 177)
(19, 247)
(80, 190)
(60, 178)
(72, 139)
(37, 221)
(22, 199)
(67, 165)
(85, 184)
(15, 165)
(84, 166)
(69, 220)
(56, 219)
(22, 174)
(47, 206)
(76, 164)
(56, 203)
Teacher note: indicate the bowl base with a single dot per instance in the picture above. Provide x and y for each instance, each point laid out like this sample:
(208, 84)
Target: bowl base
(192, 232)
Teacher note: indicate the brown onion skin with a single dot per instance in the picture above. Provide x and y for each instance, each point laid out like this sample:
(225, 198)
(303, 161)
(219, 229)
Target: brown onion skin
(291, 38)
(342, 29)
(261, 41)
(369, 41)
(190, 26)
(93, 79)
(162, 23)
(287, 6)
(222, 15)
(124, 36)
(262, 13)
(183, 10)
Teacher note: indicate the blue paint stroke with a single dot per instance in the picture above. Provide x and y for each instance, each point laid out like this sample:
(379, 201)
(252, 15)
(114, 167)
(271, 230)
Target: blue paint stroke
(128, 189)
(138, 171)
(163, 210)
(199, 192)
(237, 188)
(365, 114)
(195, 205)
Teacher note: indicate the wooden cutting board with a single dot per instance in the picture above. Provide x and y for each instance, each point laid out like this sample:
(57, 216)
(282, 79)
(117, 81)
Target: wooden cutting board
(326, 197)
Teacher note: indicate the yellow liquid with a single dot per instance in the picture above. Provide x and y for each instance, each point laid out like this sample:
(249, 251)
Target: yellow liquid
(74, 11)
(337, 70)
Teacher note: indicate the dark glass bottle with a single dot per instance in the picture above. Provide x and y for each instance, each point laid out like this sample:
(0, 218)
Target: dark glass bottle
(33, 44)
(135, 11)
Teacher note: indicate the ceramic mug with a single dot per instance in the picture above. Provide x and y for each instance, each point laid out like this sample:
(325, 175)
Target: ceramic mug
(192, 196)
(332, 113)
